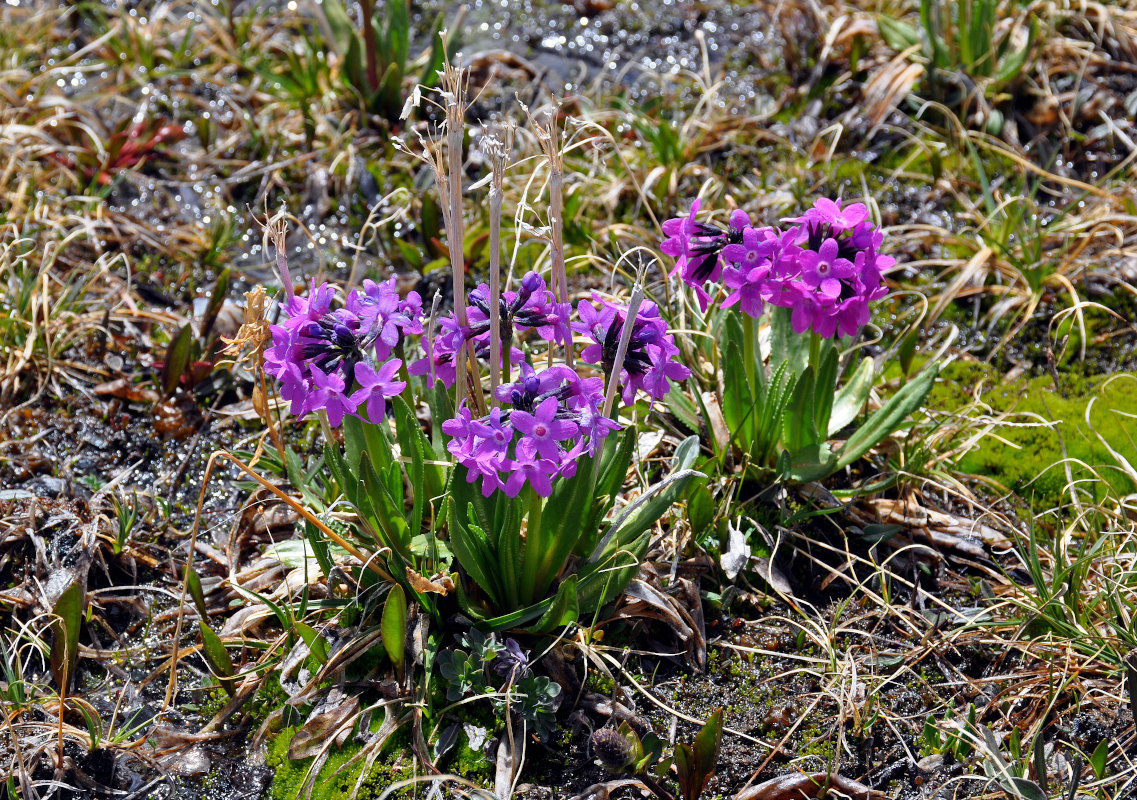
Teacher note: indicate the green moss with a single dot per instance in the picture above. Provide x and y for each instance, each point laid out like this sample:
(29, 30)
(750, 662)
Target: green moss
(469, 763)
(1029, 460)
(336, 779)
(600, 683)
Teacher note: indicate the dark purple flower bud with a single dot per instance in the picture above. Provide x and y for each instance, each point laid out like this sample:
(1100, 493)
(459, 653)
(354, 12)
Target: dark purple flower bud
(531, 282)
(344, 335)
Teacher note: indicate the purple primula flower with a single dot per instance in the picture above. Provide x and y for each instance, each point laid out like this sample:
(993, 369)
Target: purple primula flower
(649, 360)
(381, 308)
(376, 387)
(529, 467)
(493, 433)
(697, 248)
(532, 307)
(319, 353)
(330, 393)
(826, 267)
(542, 427)
(829, 213)
(824, 270)
(552, 418)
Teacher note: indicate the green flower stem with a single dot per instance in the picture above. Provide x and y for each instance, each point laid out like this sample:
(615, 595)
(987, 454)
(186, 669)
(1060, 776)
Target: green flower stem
(750, 353)
(814, 351)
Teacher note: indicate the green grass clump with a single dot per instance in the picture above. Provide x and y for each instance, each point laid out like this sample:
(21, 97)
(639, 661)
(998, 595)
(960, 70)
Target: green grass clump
(1029, 461)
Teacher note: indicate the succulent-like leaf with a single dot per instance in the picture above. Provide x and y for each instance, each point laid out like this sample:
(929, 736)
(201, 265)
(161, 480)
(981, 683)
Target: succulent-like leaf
(393, 627)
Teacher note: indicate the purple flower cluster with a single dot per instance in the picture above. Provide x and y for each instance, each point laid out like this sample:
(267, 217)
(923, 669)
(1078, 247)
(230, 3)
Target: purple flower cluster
(826, 266)
(532, 307)
(649, 362)
(339, 360)
(552, 418)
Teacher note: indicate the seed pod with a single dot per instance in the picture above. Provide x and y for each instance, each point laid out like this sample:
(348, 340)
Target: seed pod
(612, 749)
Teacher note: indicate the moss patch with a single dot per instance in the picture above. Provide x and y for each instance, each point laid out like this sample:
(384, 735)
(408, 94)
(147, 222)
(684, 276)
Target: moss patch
(336, 779)
(1029, 461)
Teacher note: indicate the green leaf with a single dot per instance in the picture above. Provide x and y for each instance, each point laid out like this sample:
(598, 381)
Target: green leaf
(340, 24)
(700, 507)
(67, 617)
(644, 511)
(739, 398)
(178, 357)
(1010, 66)
(1026, 789)
(888, 418)
(414, 454)
(563, 611)
(470, 546)
(851, 397)
(354, 70)
(193, 584)
(399, 32)
(218, 657)
(388, 99)
(216, 300)
(686, 772)
(1100, 758)
(798, 423)
(896, 34)
(825, 388)
(811, 463)
(317, 644)
(707, 743)
(559, 531)
(786, 346)
(685, 454)
(393, 627)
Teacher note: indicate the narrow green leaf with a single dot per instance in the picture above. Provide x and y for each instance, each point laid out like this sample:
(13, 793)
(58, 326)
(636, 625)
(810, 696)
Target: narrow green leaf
(1100, 758)
(851, 397)
(67, 617)
(193, 584)
(178, 357)
(825, 387)
(888, 418)
(399, 27)
(217, 657)
(643, 512)
(317, 644)
(216, 300)
(563, 611)
(340, 24)
(706, 749)
(393, 627)
(686, 772)
(1039, 754)
(798, 423)
(896, 34)
(471, 549)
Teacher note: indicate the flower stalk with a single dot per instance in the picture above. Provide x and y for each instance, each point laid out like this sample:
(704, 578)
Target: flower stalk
(498, 151)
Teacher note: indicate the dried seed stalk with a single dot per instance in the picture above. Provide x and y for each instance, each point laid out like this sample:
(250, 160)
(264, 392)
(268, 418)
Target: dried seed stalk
(549, 137)
(448, 175)
(498, 149)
